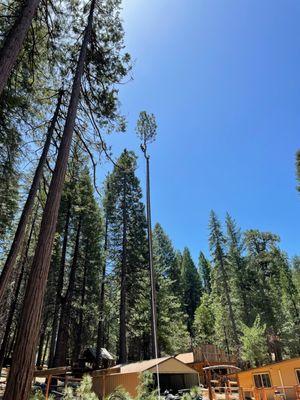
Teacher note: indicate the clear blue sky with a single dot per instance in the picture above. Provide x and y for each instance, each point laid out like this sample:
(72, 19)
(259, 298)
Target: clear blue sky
(223, 79)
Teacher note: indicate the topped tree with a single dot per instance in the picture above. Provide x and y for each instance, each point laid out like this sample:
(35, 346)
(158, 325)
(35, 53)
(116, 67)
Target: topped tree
(146, 128)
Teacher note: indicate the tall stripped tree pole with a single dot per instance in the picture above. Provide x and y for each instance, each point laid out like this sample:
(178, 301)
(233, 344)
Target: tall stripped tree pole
(21, 373)
(146, 130)
(27, 209)
(14, 40)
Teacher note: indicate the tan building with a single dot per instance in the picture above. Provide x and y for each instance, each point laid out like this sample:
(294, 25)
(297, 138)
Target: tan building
(278, 380)
(173, 374)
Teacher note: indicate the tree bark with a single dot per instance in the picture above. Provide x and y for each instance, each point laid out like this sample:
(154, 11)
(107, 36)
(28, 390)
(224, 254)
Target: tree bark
(21, 373)
(41, 343)
(78, 344)
(60, 284)
(123, 308)
(100, 335)
(61, 351)
(14, 41)
(14, 303)
(27, 210)
(45, 349)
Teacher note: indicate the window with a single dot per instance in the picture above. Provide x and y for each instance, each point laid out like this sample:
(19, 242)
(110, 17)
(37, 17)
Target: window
(297, 371)
(263, 380)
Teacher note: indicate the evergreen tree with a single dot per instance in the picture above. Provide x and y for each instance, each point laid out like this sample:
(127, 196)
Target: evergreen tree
(205, 272)
(222, 288)
(238, 270)
(204, 323)
(254, 345)
(264, 273)
(191, 286)
(173, 336)
(128, 254)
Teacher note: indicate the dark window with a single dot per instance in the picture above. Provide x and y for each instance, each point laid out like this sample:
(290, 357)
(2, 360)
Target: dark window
(262, 380)
(298, 375)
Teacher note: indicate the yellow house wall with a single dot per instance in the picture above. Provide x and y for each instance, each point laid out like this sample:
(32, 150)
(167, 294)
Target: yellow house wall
(287, 369)
(128, 381)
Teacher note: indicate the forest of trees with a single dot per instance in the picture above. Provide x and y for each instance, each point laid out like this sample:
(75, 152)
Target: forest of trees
(74, 253)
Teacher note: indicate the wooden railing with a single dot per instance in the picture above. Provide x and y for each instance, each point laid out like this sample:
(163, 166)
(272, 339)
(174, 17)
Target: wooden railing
(274, 393)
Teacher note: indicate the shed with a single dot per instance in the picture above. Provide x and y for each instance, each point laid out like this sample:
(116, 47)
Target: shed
(173, 374)
(280, 379)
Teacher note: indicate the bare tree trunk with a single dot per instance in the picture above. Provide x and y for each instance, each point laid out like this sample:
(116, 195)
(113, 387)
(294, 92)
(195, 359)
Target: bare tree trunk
(78, 344)
(45, 349)
(14, 303)
(60, 284)
(41, 344)
(61, 351)
(100, 335)
(14, 40)
(21, 373)
(20, 232)
(123, 308)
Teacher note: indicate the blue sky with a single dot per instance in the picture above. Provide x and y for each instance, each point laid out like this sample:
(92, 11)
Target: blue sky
(223, 79)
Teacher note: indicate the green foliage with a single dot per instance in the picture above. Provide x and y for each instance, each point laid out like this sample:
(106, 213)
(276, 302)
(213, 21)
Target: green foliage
(145, 389)
(172, 330)
(128, 250)
(191, 286)
(119, 394)
(146, 127)
(194, 394)
(204, 322)
(205, 272)
(38, 395)
(254, 345)
(83, 392)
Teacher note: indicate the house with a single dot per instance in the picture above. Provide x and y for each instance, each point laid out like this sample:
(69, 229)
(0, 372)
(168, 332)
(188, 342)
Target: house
(278, 380)
(173, 374)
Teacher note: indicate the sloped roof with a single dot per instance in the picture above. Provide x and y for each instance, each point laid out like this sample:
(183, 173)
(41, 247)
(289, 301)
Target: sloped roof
(141, 366)
(104, 353)
(187, 358)
(165, 364)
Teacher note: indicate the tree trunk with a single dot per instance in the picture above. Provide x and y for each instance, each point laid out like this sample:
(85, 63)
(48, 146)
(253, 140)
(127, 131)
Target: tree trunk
(45, 348)
(41, 344)
(100, 336)
(60, 284)
(78, 344)
(123, 308)
(14, 303)
(13, 42)
(21, 373)
(61, 351)
(20, 232)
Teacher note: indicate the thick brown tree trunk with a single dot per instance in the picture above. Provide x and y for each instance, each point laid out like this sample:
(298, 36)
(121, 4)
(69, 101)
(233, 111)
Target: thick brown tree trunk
(123, 308)
(14, 40)
(100, 335)
(21, 373)
(60, 284)
(62, 344)
(24, 258)
(20, 232)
